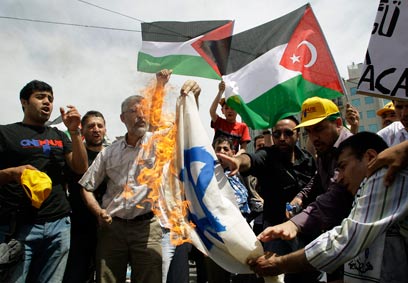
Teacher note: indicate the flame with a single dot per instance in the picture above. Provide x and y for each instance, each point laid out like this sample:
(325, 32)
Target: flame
(166, 196)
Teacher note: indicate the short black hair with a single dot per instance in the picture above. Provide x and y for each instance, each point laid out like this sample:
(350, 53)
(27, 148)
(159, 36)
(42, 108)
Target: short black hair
(34, 86)
(361, 142)
(292, 118)
(261, 136)
(92, 113)
(222, 139)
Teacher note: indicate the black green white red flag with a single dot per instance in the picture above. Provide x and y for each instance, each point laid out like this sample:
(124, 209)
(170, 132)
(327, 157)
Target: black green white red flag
(271, 69)
(170, 45)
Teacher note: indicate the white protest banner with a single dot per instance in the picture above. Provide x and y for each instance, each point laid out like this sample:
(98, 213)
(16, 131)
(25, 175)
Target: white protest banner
(385, 72)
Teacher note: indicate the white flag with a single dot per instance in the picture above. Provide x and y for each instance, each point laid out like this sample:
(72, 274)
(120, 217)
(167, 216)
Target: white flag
(221, 231)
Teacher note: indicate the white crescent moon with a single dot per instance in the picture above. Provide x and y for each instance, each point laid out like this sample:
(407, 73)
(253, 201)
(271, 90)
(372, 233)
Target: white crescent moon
(312, 51)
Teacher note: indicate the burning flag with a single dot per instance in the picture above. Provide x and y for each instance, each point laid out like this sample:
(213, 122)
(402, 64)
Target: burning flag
(190, 192)
(170, 45)
(271, 69)
(221, 232)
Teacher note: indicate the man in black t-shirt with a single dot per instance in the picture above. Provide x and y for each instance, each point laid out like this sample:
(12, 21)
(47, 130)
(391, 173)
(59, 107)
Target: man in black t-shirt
(282, 171)
(30, 144)
(81, 259)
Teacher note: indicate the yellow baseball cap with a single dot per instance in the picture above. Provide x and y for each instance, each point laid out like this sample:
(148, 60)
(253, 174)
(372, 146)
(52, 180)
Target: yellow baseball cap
(315, 110)
(387, 107)
(37, 186)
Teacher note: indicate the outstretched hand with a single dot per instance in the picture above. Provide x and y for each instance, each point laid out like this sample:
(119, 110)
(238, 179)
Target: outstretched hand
(231, 162)
(285, 231)
(265, 265)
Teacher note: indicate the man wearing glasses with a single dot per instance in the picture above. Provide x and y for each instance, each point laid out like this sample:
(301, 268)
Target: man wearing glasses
(282, 171)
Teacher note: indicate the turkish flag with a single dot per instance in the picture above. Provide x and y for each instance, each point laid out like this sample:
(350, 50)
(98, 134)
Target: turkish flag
(308, 53)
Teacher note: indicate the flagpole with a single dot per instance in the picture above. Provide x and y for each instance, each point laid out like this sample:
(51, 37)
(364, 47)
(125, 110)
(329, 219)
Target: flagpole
(330, 54)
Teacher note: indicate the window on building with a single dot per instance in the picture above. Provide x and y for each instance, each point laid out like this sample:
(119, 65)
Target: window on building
(373, 128)
(353, 91)
(361, 129)
(369, 100)
(356, 102)
(361, 115)
(370, 114)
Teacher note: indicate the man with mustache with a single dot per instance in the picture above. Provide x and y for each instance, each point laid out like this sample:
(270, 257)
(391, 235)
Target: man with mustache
(81, 259)
(129, 232)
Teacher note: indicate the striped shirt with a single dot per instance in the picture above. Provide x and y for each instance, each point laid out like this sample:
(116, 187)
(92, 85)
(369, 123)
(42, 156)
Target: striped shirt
(361, 238)
(120, 164)
(394, 133)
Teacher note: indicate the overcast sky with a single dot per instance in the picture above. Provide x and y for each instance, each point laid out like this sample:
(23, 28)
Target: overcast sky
(95, 69)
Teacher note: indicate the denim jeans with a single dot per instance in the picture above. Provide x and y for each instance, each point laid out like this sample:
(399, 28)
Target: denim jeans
(46, 250)
(168, 251)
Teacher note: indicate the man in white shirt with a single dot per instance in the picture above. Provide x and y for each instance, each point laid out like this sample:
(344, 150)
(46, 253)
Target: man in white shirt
(397, 132)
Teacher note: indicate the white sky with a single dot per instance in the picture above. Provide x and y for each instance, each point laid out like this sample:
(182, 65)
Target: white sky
(95, 69)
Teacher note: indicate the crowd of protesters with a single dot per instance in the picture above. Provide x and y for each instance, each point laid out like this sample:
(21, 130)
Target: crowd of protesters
(326, 216)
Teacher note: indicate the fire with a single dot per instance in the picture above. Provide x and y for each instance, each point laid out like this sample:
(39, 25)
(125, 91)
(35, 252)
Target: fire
(166, 196)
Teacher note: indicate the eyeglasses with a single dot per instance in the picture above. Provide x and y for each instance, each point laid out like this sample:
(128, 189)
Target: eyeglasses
(277, 133)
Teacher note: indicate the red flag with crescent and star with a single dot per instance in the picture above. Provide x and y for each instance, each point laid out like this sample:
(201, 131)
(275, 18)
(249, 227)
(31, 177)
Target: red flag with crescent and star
(308, 53)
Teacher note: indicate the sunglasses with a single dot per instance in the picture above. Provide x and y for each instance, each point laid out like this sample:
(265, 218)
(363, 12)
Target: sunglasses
(277, 133)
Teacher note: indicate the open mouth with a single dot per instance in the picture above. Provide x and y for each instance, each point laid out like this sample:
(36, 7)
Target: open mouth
(45, 110)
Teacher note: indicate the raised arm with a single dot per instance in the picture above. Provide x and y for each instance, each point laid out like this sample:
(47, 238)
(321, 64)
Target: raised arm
(241, 163)
(191, 86)
(162, 78)
(77, 159)
(214, 105)
(352, 118)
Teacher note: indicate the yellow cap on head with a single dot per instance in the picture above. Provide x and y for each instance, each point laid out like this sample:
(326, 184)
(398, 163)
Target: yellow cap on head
(315, 110)
(387, 107)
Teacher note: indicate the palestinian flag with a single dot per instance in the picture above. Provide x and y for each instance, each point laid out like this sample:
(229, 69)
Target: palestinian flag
(170, 45)
(271, 69)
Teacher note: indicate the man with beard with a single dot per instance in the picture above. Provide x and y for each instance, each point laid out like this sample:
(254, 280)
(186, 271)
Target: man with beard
(81, 259)
(30, 144)
(129, 232)
(282, 171)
